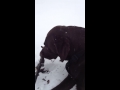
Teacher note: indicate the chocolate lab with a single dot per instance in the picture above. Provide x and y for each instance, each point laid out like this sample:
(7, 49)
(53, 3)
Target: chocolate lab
(65, 41)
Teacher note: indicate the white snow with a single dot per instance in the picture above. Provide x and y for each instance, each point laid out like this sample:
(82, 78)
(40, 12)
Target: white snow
(49, 13)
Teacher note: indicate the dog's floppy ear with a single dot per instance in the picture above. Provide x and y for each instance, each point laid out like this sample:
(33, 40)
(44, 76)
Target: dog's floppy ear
(63, 48)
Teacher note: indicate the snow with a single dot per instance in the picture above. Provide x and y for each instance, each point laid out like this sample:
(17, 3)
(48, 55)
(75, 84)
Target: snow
(55, 76)
(49, 13)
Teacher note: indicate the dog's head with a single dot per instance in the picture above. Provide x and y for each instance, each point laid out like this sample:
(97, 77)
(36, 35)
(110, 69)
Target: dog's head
(60, 47)
(56, 44)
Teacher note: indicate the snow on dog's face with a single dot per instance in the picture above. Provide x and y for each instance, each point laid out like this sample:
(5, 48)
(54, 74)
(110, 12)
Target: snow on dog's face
(47, 53)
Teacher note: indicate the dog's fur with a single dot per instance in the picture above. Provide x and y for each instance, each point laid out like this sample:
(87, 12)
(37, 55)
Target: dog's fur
(65, 42)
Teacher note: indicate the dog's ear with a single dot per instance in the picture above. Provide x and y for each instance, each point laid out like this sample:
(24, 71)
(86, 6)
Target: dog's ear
(63, 48)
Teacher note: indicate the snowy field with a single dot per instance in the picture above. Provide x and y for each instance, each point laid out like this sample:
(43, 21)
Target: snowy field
(49, 13)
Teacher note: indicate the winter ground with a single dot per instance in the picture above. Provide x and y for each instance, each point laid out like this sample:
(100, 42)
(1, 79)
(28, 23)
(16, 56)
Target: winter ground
(49, 13)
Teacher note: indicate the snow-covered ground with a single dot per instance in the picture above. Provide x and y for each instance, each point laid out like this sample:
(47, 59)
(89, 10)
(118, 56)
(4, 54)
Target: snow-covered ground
(49, 13)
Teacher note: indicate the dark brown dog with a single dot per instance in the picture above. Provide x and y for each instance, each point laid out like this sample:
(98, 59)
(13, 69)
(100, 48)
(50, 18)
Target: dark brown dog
(65, 42)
